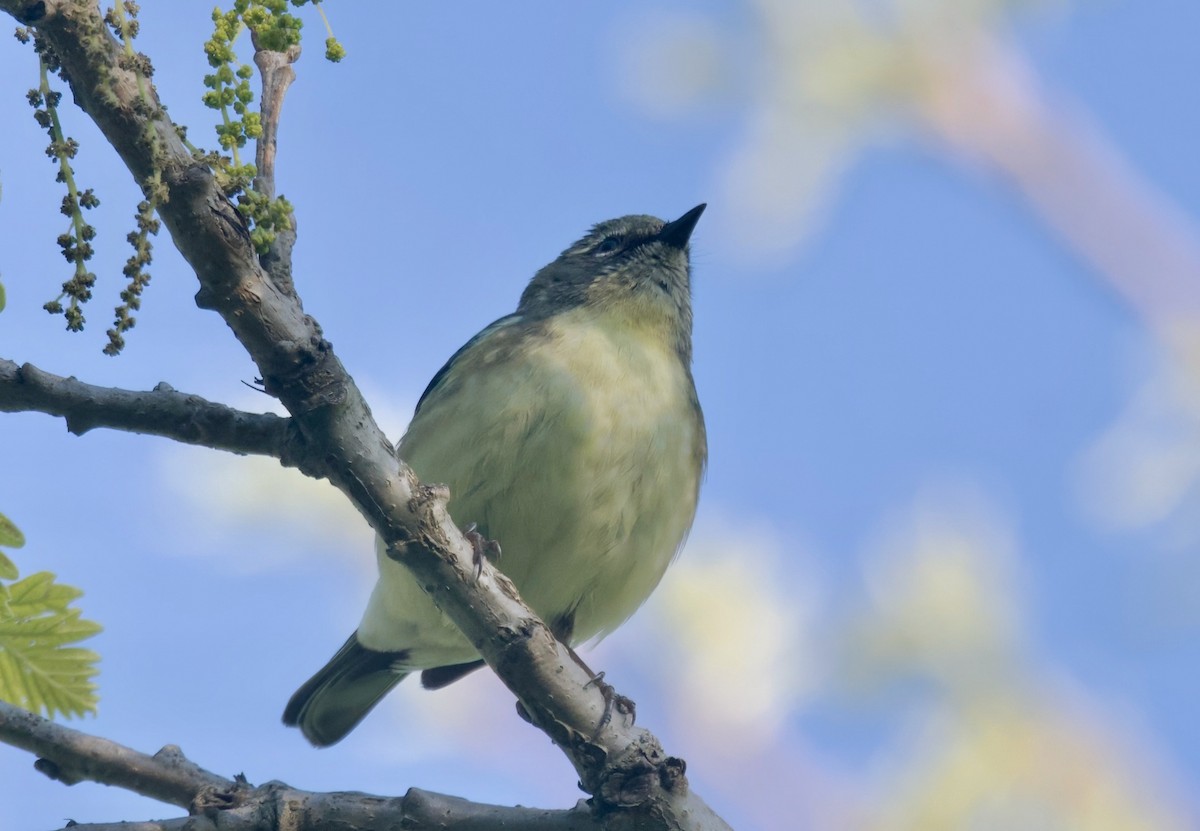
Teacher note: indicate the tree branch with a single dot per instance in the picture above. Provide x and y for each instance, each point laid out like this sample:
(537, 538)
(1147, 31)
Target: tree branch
(633, 781)
(71, 756)
(275, 69)
(160, 412)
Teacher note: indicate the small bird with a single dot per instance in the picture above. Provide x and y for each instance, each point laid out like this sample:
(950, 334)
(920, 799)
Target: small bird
(569, 433)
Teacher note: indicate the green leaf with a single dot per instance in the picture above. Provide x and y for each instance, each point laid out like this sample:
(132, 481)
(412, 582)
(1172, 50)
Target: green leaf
(10, 535)
(8, 569)
(38, 593)
(1, 297)
(38, 669)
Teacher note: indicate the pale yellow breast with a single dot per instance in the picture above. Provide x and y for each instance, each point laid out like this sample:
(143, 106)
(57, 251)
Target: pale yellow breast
(580, 459)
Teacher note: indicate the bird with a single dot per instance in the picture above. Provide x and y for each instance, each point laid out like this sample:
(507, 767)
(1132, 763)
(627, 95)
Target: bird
(570, 435)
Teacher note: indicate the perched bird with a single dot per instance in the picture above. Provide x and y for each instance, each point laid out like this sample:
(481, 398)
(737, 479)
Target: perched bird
(569, 433)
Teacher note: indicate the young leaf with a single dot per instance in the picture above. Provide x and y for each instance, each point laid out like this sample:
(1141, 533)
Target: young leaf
(10, 535)
(38, 670)
(8, 569)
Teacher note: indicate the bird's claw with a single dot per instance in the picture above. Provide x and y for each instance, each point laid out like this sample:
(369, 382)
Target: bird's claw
(613, 700)
(481, 548)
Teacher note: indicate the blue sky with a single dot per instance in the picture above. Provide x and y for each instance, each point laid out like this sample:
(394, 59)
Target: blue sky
(930, 347)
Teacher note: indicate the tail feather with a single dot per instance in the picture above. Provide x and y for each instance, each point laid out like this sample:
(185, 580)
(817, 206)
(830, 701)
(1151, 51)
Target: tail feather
(331, 703)
(438, 677)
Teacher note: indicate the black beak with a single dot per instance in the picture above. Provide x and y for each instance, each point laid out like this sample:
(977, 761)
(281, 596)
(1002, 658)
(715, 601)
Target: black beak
(677, 233)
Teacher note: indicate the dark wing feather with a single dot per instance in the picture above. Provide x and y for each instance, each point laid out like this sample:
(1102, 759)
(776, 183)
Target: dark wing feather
(333, 701)
(486, 332)
(438, 677)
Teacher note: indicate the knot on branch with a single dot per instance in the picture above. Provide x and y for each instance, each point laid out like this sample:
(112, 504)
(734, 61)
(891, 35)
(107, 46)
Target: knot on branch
(640, 778)
(54, 771)
(309, 379)
(426, 503)
(211, 799)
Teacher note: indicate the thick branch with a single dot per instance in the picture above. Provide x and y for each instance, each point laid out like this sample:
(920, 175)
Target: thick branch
(634, 783)
(160, 412)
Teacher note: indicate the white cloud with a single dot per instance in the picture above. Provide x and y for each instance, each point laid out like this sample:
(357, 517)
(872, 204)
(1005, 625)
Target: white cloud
(288, 516)
(733, 626)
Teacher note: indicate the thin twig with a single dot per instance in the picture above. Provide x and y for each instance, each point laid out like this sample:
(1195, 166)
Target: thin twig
(277, 74)
(275, 69)
(70, 756)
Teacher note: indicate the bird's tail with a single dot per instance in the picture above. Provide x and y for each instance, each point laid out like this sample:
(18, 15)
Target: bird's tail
(335, 700)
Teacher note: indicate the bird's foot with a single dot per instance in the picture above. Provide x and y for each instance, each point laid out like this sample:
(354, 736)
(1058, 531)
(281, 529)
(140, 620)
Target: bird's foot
(613, 700)
(481, 548)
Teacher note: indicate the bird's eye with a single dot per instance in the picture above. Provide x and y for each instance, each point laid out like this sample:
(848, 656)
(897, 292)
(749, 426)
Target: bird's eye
(608, 245)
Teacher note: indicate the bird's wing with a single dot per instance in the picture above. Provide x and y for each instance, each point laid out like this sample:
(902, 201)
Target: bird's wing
(486, 332)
